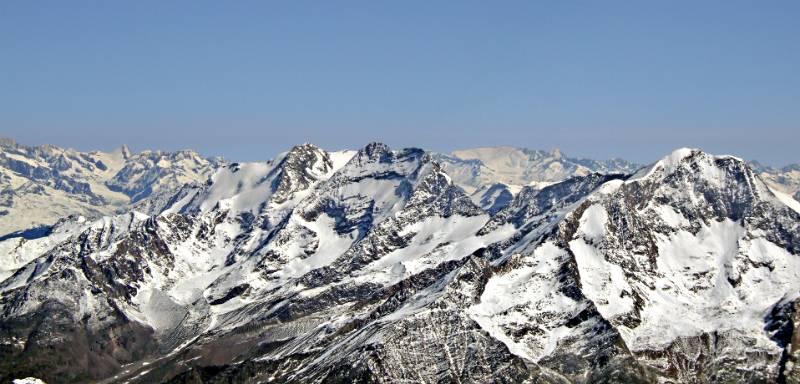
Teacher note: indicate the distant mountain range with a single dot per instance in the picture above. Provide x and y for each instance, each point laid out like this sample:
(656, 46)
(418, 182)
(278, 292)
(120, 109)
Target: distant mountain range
(41, 185)
(785, 179)
(382, 265)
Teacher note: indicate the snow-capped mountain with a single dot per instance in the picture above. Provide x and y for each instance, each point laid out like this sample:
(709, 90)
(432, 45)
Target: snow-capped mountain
(40, 185)
(377, 266)
(681, 266)
(478, 167)
(784, 180)
(493, 175)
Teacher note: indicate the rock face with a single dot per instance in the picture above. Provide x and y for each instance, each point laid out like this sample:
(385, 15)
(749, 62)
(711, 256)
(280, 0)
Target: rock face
(40, 185)
(376, 266)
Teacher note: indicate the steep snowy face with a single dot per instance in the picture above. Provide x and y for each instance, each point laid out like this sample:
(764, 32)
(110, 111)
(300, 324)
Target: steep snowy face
(716, 250)
(40, 185)
(15, 252)
(475, 168)
(355, 216)
(429, 213)
(371, 186)
(682, 263)
(255, 187)
(534, 304)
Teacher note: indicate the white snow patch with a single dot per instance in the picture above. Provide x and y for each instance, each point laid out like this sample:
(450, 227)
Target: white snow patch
(668, 164)
(604, 283)
(340, 158)
(514, 188)
(787, 199)
(694, 292)
(671, 216)
(243, 189)
(524, 294)
(29, 380)
(331, 245)
(436, 240)
(540, 184)
(610, 187)
(593, 222)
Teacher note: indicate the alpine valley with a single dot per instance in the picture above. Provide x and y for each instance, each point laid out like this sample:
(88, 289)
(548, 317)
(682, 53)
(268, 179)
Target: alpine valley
(396, 265)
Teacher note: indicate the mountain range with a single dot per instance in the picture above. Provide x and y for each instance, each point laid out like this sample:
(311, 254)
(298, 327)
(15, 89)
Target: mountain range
(382, 265)
(40, 185)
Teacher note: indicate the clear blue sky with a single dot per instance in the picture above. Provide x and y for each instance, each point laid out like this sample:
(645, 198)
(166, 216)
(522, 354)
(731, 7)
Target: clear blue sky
(248, 79)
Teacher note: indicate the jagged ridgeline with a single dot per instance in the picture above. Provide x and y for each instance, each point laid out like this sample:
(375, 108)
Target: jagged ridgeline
(380, 265)
(40, 185)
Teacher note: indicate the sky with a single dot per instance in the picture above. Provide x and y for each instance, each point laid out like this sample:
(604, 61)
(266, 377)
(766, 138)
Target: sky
(246, 80)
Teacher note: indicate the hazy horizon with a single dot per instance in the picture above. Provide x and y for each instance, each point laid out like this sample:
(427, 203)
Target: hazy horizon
(356, 147)
(248, 80)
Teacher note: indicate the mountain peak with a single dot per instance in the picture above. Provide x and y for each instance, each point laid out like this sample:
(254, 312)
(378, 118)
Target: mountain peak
(300, 168)
(374, 150)
(305, 147)
(307, 156)
(123, 152)
(673, 160)
(680, 158)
